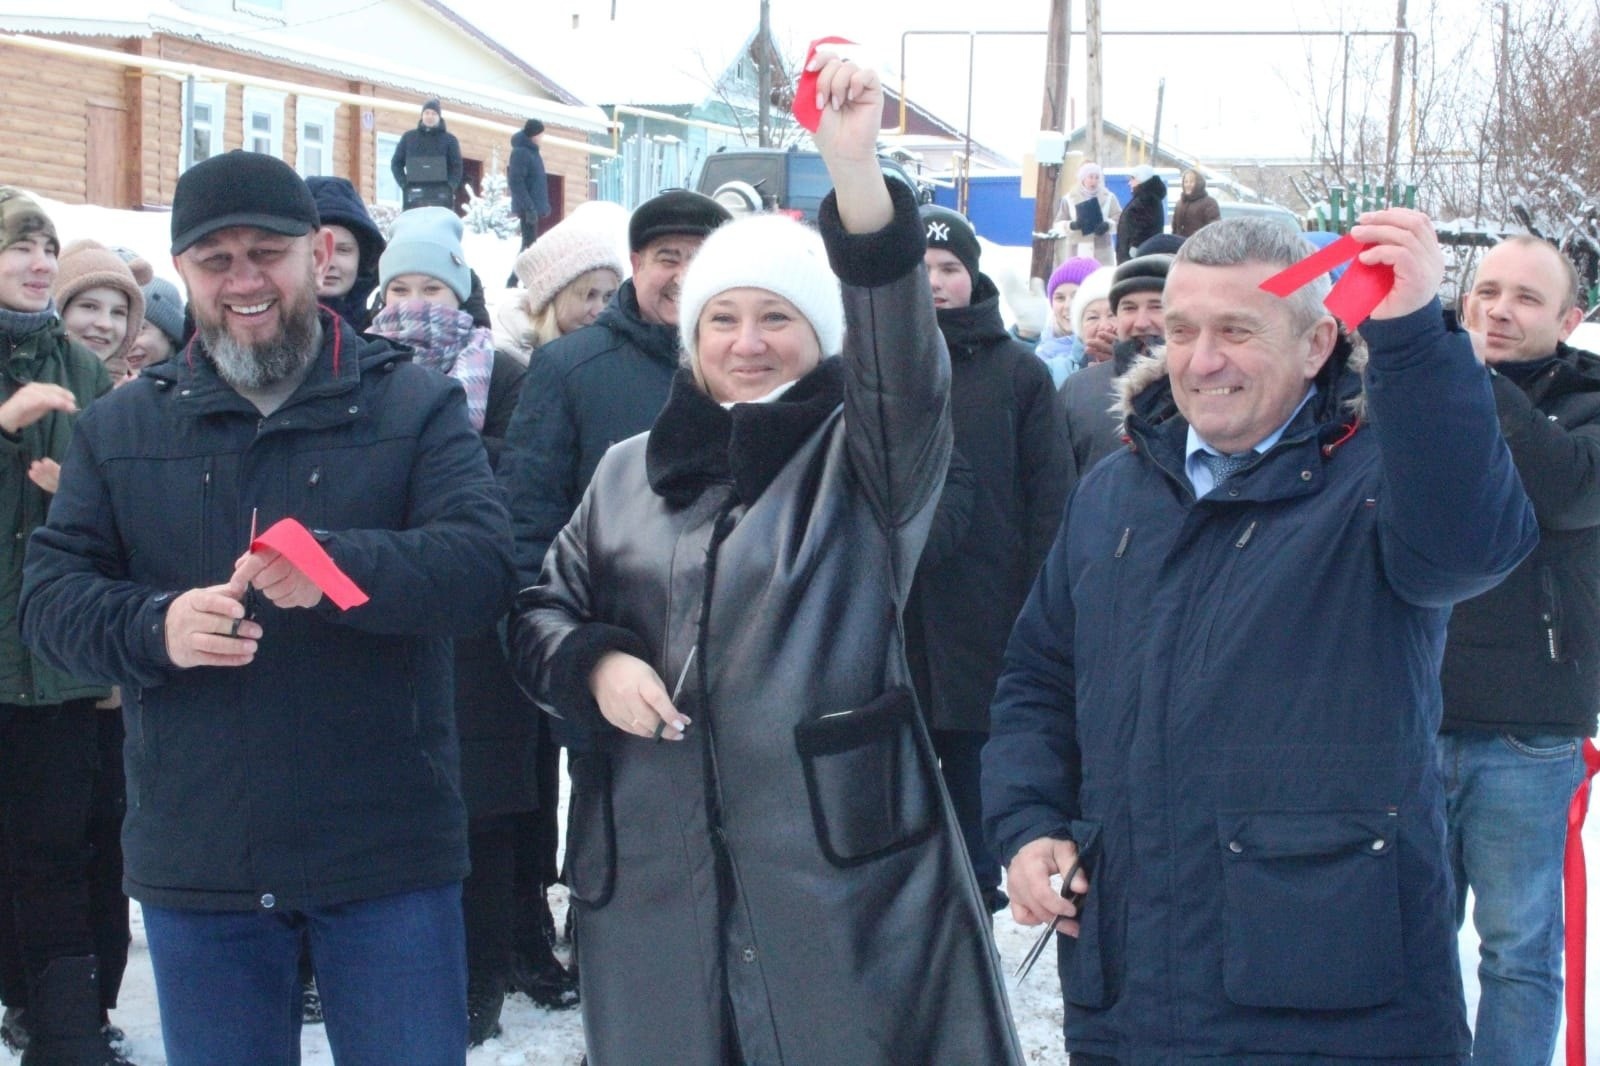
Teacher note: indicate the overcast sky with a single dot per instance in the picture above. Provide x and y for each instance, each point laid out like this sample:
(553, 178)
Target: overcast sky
(1226, 96)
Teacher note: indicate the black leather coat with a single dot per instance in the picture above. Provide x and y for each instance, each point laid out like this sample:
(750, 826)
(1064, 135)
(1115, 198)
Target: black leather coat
(790, 877)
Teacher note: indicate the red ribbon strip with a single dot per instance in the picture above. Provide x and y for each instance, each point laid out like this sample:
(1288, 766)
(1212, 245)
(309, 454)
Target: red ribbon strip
(806, 111)
(1576, 876)
(1354, 296)
(295, 543)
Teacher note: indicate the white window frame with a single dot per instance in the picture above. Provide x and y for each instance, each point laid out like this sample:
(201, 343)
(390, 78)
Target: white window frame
(213, 95)
(383, 179)
(267, 102)
(310, 111)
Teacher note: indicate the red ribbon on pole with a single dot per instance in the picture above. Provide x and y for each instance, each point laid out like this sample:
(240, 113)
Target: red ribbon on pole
(1354, 295)
(1576, 877)
(295, 543)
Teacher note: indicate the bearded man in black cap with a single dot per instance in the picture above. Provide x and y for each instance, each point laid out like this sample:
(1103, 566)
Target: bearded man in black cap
(967, 593)
(291, 765)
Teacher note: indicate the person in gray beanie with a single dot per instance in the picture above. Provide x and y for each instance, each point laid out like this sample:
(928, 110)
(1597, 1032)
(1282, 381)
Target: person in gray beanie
(162, 333)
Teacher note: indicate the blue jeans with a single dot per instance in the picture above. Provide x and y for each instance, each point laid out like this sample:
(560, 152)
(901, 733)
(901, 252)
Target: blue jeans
(1506, 803)
(392, 973)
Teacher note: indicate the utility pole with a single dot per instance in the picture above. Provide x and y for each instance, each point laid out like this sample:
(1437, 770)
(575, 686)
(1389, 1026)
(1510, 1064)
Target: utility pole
(1052, 116)
(1096, 117)
(1391, 148)
(764, 66)
(1161, 96)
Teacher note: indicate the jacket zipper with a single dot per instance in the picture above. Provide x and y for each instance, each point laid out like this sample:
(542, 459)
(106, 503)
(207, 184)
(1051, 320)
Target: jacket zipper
(1551, 617)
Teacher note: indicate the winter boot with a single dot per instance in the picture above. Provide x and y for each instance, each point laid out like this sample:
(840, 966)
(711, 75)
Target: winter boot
(541, 977)
(14, 1029)
(64, 1017)
(484, 1000)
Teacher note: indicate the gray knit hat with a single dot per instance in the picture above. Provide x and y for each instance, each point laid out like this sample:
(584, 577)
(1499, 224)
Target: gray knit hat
(163, 309)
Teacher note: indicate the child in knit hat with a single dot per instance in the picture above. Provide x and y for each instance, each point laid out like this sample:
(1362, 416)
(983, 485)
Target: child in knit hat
(101, 302)
(162, 333)
(424, 279)
(569, 276)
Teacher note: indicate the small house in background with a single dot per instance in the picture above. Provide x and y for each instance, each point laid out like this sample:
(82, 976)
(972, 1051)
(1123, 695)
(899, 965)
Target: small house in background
(121, 95)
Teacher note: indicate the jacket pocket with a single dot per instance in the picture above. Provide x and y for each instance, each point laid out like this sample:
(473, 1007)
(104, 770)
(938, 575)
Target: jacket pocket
(1311, 909)
(1090, 963)
(870, 777)
(591, 830)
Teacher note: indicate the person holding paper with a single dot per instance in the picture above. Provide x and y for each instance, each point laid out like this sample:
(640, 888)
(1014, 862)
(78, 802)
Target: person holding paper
(291, 756)
(1218, 710)
(1087, 218)
(780, 879)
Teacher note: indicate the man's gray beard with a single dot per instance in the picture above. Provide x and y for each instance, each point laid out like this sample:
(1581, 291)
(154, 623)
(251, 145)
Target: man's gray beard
(256, 366)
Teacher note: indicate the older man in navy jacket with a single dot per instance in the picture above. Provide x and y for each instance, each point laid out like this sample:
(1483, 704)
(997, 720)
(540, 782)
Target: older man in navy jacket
(291, 766)
(1219, 703)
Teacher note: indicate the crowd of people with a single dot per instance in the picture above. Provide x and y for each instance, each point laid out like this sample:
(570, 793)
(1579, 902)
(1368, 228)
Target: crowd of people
(1230, 643)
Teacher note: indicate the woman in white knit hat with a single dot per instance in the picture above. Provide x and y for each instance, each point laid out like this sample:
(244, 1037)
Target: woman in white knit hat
(568, 276)
(762, 860)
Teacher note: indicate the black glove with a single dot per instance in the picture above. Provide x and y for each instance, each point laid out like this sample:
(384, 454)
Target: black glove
(1103, 228)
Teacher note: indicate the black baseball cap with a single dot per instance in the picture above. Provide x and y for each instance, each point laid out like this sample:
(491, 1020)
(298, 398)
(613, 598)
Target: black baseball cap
(240, 188)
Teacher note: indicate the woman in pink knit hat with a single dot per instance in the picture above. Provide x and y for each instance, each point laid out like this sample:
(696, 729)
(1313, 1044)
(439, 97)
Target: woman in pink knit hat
(568, 276)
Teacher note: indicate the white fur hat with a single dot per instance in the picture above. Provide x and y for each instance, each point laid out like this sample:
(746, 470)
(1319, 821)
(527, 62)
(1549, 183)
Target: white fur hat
(771, 252)
(1097, 286)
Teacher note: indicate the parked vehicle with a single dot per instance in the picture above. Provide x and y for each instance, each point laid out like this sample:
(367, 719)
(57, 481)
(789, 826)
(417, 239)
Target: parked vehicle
(747, 180)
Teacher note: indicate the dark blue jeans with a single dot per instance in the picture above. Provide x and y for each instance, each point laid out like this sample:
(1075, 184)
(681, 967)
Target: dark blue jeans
(392, 973)
(1506, 803)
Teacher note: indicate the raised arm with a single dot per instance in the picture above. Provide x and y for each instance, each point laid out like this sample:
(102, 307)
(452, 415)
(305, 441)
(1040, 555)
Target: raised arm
(897, 372)
(1455, 517)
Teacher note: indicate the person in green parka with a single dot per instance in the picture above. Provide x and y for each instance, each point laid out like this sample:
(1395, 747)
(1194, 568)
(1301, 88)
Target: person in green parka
(48, 968)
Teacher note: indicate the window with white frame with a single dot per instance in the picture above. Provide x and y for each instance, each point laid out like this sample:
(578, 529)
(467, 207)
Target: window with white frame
(263, 121)
(208, 110)
(314, 136)
(388, 188)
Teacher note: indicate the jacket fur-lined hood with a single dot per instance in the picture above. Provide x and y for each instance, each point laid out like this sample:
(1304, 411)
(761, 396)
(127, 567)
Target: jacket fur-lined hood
(1149, 371)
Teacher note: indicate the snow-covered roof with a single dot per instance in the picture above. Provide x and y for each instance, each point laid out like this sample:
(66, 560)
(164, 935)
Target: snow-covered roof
(374, 52)
(658, 54)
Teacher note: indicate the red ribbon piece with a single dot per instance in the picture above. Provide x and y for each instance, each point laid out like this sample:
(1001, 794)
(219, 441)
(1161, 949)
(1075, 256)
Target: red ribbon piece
(295, 543)
(806, 111)
(1576, 877)
(1354, 296)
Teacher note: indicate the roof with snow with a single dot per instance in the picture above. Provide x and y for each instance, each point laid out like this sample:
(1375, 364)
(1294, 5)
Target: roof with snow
(403, 50)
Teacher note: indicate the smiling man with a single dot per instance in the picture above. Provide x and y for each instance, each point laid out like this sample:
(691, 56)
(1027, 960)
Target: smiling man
(292, 767)
(1218, 711)
(1522, 665)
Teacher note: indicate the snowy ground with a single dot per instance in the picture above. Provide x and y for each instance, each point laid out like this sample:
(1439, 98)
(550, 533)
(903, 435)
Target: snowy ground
(536, 1037)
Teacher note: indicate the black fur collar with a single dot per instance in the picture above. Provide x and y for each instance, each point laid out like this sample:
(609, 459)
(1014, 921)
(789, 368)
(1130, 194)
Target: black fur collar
(696, 442)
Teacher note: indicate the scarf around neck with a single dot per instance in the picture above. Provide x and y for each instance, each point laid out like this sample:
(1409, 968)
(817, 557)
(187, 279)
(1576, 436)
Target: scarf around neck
(445, 340)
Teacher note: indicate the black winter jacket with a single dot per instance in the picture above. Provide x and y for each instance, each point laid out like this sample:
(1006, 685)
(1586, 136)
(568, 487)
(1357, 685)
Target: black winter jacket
(499, 741)
(1525, 656)
(421, 142)
(790, 870)
(525, 178)
(1143, 218)
(326, 770)
(1002, 409)
(583, 393)
(1231, 703)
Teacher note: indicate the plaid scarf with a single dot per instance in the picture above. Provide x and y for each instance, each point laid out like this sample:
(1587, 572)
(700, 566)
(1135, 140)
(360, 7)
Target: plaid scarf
(445, 340)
